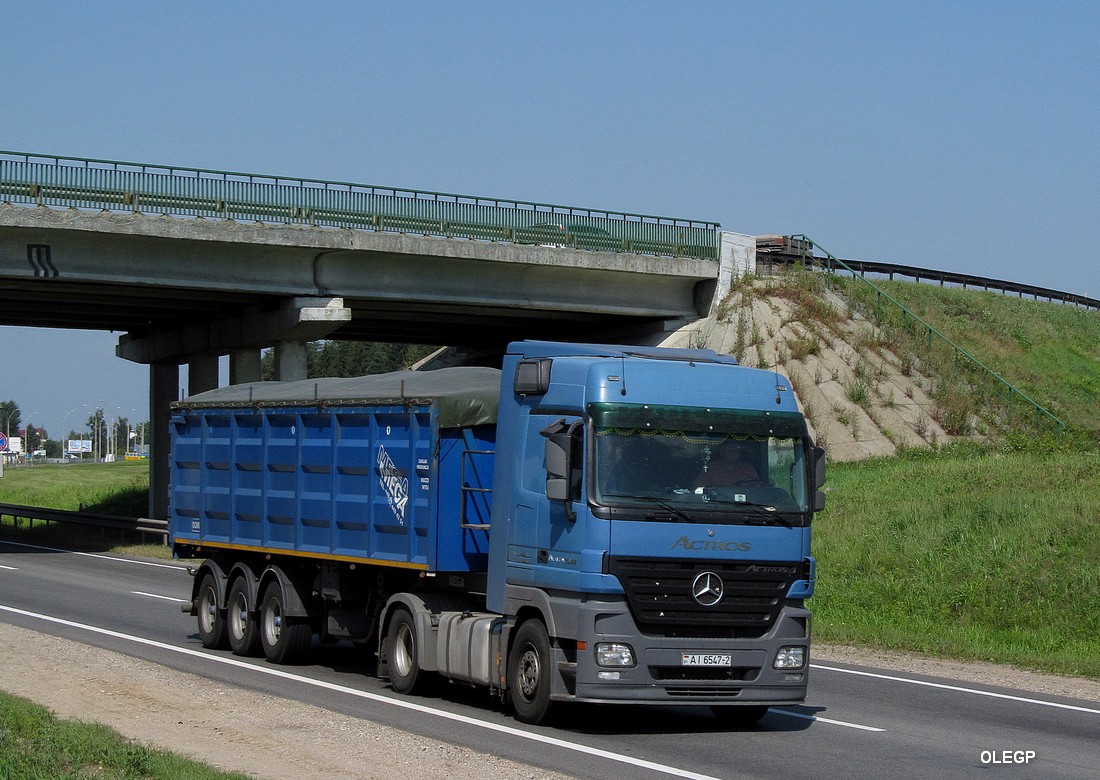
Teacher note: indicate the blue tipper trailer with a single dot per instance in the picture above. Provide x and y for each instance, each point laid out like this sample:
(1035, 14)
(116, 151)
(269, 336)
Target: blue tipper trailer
(394, 470)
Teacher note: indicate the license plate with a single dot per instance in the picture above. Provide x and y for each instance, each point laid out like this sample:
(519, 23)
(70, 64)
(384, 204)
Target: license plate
(706, 659)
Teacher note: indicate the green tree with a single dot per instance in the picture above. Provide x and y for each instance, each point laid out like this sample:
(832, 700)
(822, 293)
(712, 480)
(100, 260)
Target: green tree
(35, 438)
(120, 436)
(97, 432)
(351, 358)
(10, 417)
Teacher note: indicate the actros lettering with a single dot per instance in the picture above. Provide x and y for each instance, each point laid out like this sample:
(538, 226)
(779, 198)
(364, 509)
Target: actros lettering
(710, 545)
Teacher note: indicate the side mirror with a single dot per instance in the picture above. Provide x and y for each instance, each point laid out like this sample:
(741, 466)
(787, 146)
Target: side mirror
(562, 468)
(819, 466)
(819, 478)
(532, 377)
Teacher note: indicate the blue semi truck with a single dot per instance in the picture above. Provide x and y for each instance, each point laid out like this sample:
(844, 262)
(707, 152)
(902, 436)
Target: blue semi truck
(589, 523)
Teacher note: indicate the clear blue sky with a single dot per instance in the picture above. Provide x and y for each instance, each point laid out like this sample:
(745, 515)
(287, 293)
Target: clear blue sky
(954, 135)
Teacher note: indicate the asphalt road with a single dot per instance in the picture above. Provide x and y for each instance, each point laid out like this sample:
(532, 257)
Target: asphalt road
(858, 723)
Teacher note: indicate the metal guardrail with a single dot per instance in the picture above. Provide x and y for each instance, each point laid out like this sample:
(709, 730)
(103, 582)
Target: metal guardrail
(47, 180)
(790, 254)
(115, 522)
(884, 303)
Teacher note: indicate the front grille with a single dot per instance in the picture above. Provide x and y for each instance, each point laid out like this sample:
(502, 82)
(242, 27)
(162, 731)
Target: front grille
(703, 693)
(659, 593)
(698, 673)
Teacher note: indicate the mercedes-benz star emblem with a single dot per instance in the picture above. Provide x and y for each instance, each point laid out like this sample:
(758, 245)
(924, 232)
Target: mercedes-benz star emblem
(707, 588)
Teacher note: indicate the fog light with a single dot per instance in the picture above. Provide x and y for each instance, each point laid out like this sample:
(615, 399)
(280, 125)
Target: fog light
(790, 658)
(614, 654)
(609, 675)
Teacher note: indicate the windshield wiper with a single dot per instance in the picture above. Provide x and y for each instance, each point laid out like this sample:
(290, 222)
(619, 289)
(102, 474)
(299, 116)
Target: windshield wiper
(677, 514)
(762, 511)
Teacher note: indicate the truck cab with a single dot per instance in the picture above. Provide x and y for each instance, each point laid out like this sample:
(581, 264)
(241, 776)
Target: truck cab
(643, 568)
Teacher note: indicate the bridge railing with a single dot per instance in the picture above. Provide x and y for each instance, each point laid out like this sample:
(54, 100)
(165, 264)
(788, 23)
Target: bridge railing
(193, 192)
(892, 315)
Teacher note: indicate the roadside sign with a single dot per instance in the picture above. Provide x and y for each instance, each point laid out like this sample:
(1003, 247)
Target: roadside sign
(3, 443)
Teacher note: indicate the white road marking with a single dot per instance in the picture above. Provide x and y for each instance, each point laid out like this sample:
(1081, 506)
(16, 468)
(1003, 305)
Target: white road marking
(97, 555)
(514, 732)
(957, 688)
(9, 568)
(158, 596)
(807, 716)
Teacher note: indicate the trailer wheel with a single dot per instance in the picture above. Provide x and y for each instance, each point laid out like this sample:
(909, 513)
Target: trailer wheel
(244, 635)
(529, 673)
(284, 639)
(212, 631)
(403, 654)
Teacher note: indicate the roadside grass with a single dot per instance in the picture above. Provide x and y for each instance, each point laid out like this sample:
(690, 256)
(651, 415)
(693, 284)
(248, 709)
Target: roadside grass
(120, 488)
(34, 744)
(969, 553)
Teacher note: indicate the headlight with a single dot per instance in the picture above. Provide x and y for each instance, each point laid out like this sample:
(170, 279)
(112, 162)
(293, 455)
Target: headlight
(790, 658)
(614, 654)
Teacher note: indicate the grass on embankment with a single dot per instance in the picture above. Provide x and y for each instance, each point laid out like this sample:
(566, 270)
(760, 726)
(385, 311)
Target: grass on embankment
(1049, 351)
(967, 553)
(34, 744)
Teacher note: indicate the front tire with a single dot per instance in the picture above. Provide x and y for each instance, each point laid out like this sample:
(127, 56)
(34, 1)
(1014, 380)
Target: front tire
(244, 635)
(211, 620)
(529, 668)
(403, 654)
(284, 639)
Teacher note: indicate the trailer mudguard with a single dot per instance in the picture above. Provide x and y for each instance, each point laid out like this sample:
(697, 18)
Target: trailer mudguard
(219, 576)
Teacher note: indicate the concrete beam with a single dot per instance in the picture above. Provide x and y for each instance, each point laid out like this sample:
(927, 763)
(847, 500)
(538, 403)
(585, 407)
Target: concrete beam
(298, 319)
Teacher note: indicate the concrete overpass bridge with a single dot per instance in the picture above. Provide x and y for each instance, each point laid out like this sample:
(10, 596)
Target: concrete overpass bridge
(190, 265)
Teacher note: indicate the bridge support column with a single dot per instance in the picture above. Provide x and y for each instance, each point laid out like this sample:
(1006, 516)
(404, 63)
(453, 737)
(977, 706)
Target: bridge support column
(291, 361)
(202, 373)
(244, 366)
(164, 388)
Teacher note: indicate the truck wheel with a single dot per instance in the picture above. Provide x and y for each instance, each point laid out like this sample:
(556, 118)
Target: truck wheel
(529, 673)
(403, 654)
(244, 635)
(284, 639)
(737, 715)
(212, 632)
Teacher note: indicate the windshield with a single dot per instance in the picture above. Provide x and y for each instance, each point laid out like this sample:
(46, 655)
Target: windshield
(696, 459)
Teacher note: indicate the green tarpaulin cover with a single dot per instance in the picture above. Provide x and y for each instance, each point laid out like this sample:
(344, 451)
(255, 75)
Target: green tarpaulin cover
(464, 395)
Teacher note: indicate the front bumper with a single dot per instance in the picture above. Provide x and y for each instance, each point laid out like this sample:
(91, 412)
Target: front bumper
(660, 677)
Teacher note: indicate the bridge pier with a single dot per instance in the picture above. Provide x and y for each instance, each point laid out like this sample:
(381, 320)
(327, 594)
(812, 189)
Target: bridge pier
(202, 374)
(164, 388)
(291, 361)
(244, 366)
